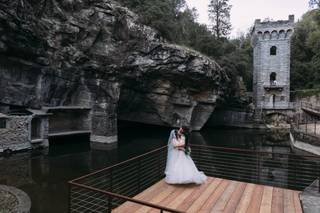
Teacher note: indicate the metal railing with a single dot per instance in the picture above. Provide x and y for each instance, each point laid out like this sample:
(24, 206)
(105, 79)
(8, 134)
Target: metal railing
(286, 170)
(108, 188)
(103, 190)
(307, 105)
(306, 124)
(278, 106)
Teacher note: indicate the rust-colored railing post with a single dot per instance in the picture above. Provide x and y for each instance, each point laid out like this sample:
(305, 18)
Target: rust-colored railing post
(159, 164)
(111, 190)
(258, 167)
(69, 198)
(139, 175)
(294, 169)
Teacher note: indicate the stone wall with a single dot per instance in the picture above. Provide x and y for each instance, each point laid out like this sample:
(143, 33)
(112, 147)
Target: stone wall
(232, 118)
(16, 135)
(69, 120)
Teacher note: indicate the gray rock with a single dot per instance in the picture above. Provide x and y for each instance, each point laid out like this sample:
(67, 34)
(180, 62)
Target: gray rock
(97, 54)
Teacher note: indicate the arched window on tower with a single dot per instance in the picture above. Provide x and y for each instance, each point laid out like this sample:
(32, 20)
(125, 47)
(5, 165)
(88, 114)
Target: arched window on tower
(273, 78)
(273, 50)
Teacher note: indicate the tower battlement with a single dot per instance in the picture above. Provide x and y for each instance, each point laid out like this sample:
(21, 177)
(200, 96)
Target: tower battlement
(273, 30)
(279, 23)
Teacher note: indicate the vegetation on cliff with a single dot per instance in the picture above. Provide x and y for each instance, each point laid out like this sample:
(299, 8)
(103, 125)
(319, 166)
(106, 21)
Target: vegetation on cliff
(177, 23)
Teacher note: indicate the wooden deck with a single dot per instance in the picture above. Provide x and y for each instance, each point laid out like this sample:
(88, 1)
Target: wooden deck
(217, 195)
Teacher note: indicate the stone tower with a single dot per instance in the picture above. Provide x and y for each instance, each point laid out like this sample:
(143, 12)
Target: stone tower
(271, 61)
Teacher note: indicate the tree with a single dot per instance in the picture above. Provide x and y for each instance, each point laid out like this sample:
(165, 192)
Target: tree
(219, 15)
(161, 15)
(305, 57)
(313, 3)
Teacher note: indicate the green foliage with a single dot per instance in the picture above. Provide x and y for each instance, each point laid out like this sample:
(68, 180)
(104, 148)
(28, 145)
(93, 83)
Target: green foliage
(305, 58)
(219, 14)
(239, 60)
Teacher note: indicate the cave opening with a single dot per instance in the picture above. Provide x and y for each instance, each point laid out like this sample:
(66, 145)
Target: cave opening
(144, 134)
(69, 126)
(136, 115)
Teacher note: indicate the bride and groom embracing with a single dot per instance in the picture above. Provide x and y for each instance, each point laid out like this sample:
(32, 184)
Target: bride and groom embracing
(180, 168)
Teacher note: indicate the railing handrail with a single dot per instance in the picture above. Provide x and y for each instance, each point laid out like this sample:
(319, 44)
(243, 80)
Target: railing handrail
(309, 105)
(297, 130)
(192, 145)
(126, 198)
(251, 151)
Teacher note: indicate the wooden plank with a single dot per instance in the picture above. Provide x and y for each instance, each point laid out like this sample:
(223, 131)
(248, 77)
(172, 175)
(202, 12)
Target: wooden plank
(205, 195)
(235, 198)
(256, 199)
(210, 202)
(178, 190)
(188, 201)
(145, 196)
(179, 199)
(151, 190)
(288, 201)
(277, 201)
(157, 199)
(225, 197)
(216, 195)
(297, 203)
(266, 200)
(246, 197)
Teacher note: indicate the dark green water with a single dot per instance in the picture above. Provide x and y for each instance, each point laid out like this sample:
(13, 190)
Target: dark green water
(44, 174)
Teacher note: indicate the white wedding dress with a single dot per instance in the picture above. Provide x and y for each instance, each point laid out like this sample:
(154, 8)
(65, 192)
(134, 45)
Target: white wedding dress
(180, 168)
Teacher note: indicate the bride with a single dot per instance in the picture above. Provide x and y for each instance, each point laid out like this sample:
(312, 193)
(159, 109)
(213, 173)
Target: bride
(180, 168)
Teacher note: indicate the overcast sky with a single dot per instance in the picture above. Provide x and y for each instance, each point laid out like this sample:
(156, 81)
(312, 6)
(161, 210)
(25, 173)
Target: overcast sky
(244, 12)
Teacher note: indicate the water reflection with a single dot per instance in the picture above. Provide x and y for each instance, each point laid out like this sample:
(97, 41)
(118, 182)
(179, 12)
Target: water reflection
(44, 174)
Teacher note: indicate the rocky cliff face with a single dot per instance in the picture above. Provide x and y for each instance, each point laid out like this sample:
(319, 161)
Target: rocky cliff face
(95, 53)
